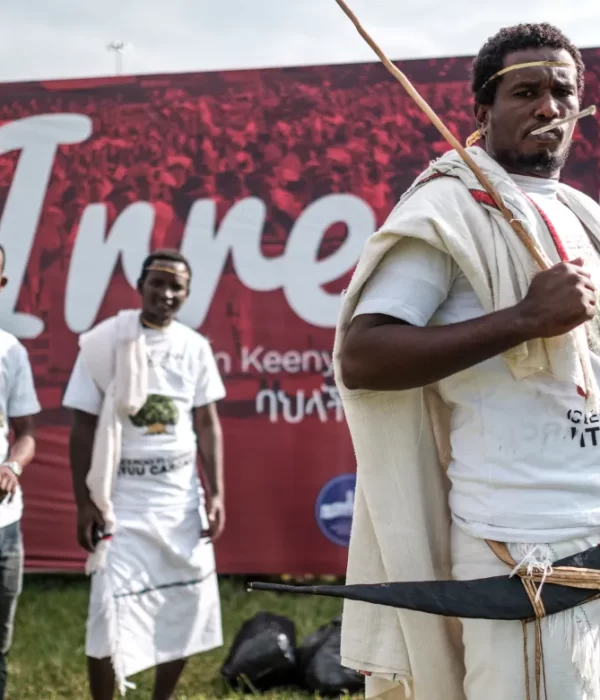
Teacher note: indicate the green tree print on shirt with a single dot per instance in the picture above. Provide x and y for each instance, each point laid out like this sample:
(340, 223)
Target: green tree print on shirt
(156, 414)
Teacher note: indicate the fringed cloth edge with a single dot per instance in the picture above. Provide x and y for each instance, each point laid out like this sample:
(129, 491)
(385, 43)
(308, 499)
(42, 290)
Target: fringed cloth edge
(533, 579)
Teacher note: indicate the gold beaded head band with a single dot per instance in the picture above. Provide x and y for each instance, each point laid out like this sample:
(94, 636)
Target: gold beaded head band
(160, 268)
(530, 64)
(474, 137)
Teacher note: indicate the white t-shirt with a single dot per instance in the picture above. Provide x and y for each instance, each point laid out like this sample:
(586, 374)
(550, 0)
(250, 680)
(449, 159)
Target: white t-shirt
(158, 459)
(525, 459)
(17, 399)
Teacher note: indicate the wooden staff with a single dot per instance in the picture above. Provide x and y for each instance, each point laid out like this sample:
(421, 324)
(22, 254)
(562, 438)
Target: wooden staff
(518, 228)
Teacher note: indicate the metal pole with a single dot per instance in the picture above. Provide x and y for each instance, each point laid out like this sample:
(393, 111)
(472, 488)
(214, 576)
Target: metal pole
(118, 47)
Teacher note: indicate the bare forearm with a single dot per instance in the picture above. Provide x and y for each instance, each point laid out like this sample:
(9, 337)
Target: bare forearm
(81, 445)
(210, 446)
(380, 355)
(22, 450)
(81, 459)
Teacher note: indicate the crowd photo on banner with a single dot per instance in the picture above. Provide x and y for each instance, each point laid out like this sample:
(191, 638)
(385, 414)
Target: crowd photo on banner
(300, 380)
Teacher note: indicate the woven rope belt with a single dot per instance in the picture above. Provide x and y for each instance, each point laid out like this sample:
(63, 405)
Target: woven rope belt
(532, 581)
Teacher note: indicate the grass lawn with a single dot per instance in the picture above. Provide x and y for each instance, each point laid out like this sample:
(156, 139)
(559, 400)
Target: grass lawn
(47, 661)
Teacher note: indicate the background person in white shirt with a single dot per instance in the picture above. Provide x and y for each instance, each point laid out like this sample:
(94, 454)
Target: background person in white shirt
(525, 466)
(160, 580)
(18, 405)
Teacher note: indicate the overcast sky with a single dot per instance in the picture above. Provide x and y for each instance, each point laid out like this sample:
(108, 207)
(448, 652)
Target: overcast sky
(68, 38)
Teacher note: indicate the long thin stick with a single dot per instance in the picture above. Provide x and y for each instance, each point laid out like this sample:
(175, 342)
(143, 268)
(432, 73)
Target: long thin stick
(585, 113)
(447, 134)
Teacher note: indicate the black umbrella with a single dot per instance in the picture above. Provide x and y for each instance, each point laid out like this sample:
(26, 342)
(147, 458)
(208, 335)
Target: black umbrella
(495, 598)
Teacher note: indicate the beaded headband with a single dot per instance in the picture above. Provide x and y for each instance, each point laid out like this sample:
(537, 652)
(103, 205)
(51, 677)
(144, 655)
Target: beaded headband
(158, 268)
(530, 64)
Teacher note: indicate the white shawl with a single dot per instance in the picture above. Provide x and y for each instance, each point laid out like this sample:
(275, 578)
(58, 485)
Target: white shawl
(401, 522)
(115, 354)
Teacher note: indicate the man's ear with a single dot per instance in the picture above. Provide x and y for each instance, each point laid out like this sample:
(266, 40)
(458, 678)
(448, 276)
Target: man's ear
(482, 114)
(140, 284)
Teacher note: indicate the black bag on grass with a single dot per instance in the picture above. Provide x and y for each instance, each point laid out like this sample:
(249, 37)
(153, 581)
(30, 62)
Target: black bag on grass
(263, 654)
(320, 662)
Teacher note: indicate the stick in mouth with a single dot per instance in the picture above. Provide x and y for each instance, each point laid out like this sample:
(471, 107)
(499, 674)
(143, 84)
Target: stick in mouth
(586, 113)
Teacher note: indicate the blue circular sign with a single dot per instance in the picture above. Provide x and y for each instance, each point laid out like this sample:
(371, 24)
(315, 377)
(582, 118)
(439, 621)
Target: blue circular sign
(334, 507)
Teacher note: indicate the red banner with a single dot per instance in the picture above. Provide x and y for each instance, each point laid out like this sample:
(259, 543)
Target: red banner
(269, 181)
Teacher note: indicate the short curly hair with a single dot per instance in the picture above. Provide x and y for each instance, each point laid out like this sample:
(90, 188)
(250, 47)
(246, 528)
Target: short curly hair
(490, 58)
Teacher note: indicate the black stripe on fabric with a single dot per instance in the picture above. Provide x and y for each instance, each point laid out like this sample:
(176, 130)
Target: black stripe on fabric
(164, 586)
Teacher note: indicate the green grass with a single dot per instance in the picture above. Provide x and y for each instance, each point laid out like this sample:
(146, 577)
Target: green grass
(47, 661)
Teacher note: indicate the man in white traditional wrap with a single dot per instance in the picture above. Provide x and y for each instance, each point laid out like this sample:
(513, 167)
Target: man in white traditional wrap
(143, 393)
(454, 350)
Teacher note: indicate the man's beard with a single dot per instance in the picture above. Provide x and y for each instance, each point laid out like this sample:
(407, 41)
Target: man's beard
(544, 164)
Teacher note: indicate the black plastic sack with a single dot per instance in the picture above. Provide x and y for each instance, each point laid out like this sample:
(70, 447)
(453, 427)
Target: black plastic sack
(320, 663)
(263, 654)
